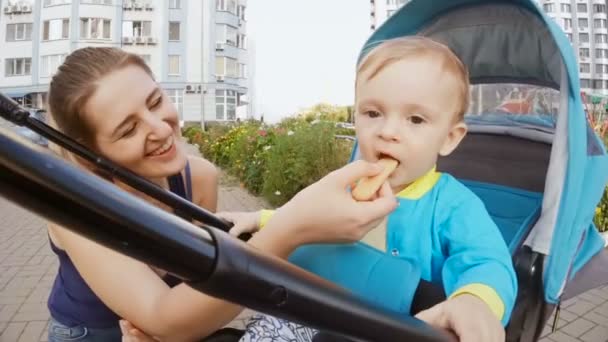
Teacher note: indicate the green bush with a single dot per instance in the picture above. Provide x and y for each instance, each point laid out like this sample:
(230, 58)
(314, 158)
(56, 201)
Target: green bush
(299, 158)
(276, 161)
(601, 213)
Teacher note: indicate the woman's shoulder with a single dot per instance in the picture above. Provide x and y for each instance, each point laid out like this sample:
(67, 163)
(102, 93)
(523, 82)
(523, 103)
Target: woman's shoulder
(205, 179)
(201, 168)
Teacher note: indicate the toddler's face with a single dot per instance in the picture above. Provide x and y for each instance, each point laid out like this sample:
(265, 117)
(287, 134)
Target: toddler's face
(408, 112)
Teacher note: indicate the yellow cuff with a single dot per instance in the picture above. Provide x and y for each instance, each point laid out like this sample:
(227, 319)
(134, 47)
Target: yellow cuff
(265, 216)
(485, 293)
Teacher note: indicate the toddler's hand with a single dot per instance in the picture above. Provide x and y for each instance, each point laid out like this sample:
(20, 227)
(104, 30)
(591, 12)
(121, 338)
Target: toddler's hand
(468, 317)
(244, 222)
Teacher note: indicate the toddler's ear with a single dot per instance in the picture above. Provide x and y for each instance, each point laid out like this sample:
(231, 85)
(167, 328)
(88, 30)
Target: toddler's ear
(454, 137)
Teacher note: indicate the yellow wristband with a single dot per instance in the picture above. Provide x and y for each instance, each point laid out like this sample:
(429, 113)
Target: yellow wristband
(265, 216)
(485, 293)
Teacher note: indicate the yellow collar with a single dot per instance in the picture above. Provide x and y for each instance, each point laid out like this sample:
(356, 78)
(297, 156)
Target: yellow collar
(421, 185)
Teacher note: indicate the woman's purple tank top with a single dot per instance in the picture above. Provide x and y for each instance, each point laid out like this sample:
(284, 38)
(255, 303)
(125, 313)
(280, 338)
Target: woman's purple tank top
(72, 302)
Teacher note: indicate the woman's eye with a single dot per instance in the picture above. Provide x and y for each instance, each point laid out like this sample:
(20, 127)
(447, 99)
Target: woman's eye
(157, 103)
(372, 113)
(129, 132)
(416, 120)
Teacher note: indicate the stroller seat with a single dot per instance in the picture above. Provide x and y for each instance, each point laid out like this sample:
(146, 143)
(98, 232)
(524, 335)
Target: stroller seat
(513, 210)
(508, 174)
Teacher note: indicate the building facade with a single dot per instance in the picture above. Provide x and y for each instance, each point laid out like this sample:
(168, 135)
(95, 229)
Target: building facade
(583, 21)
(197, 49)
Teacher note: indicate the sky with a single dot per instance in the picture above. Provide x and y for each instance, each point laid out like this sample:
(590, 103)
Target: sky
(305, 52)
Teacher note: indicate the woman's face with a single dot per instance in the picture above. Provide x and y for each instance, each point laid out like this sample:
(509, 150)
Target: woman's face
(135, 125)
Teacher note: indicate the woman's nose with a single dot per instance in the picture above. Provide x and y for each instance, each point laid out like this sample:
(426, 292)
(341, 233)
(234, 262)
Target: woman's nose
(159, 128)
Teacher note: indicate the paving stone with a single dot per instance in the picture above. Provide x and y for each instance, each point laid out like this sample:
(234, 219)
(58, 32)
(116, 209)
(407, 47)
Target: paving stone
(581, 307)
(12, 331)
(597, 334)
(596, 318)
(577, 327)
(33, 331)
(559, 336)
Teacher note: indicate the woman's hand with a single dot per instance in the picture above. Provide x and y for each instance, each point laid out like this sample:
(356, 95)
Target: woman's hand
(325, 212)
(468, 317)
(131, 334)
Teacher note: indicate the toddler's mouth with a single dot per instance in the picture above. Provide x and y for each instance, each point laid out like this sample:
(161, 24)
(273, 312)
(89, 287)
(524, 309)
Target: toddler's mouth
(382, 155)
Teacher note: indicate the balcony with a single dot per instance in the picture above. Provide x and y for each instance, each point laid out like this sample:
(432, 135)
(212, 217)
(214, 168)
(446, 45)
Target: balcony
(17, 9)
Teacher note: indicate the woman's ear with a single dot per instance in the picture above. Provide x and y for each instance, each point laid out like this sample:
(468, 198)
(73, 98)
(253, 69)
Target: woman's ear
(453, 139)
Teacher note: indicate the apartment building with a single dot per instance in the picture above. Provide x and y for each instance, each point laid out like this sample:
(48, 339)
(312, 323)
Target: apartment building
(197, 49)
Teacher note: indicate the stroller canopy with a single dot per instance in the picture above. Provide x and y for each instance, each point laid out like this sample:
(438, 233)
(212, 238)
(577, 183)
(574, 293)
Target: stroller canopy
(515, 42)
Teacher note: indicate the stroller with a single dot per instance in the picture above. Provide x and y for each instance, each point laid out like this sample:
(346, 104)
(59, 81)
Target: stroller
(540, 175)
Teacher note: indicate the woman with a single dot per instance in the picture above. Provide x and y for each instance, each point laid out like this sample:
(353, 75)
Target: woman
(108, 100)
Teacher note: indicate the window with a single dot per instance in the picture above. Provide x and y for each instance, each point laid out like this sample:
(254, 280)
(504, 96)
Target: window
(569, 35)
(389, 13)
(583, 37)
(585, 67)
(599, 23)
(549, 8)
(136, 28)
(56, 29)
(597, 84)
(583, 23)
(601, 53)
(18, 32)
(601, 68)
(96, 2)
(585, 83)
(583, 52)
(95, 28)
(601, 38)
(581, 8)
(241, 41)
(567, 24)
(174, 30)
(18, 67)
(174, 67)
(226, 66)
(225, 104)
(566, 8)
(175, 4)
(176, 96)
(226, 6)
(597, 8)
(240, 12)
(48, 3)
(226, 34)
(49, 64)
(242, 70)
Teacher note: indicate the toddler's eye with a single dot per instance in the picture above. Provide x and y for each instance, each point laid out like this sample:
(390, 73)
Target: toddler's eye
(416, 120)
(372, 113)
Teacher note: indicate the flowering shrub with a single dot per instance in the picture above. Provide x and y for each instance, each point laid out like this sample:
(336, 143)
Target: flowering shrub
(274, 161)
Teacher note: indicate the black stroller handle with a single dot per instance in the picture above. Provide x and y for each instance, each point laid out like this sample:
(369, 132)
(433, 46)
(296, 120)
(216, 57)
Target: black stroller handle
(206, 258)
(11, 111)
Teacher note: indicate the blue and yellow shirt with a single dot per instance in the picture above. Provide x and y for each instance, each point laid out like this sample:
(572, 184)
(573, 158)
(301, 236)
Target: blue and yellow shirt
(444, 229)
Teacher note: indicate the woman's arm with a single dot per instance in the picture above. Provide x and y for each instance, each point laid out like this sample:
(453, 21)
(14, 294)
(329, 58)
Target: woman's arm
(324, 212)
(134, 292)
